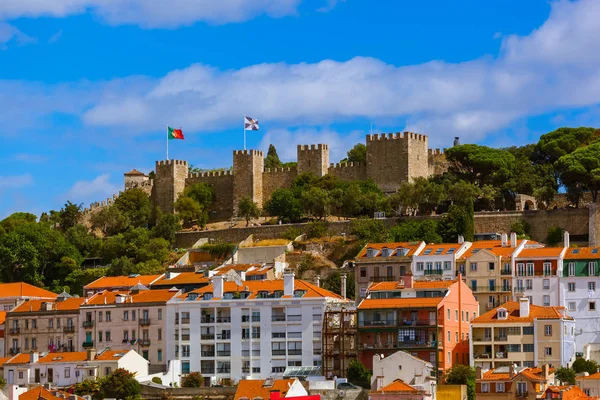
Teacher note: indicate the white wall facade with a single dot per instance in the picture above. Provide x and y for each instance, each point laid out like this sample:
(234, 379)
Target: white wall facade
(577, 305)
(401, 365)
(544, 291)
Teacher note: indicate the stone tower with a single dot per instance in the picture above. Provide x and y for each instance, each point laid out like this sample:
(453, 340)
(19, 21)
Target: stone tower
(169, 182)
(396, 158)
(313, 158)
(248, 168)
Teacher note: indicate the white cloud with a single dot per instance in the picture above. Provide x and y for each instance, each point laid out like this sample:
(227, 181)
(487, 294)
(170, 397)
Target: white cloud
(330, 5)
(15, 181)
(56, 37)
(152, 13)
(9, 33)
(99, 188)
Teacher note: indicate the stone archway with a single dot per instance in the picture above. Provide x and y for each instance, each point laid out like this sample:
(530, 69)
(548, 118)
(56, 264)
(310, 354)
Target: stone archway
(525, 202)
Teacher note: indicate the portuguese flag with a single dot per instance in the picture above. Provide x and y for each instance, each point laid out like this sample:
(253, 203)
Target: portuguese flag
(173, 133)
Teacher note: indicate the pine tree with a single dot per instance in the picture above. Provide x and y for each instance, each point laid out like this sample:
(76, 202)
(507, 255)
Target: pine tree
(272, 160)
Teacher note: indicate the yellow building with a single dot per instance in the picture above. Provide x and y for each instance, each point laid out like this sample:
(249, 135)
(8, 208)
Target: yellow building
(510, 383)
(524, 335)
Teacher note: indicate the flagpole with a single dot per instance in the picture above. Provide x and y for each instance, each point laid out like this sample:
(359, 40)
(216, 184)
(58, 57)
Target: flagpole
(244, 132)
(167, 142)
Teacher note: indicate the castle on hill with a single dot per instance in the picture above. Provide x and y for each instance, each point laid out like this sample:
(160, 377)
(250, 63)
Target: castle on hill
(392, 159)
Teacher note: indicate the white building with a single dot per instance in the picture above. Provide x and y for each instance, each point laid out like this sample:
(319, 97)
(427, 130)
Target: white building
(247, 329)
(538, 274)
(438, 260)
(406, 367)
(66, 369)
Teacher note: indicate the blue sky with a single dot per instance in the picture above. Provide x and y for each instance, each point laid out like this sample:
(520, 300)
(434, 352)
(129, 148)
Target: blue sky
(87, 86)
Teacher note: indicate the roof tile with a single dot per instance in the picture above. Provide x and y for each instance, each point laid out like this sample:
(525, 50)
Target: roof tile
(514, 314)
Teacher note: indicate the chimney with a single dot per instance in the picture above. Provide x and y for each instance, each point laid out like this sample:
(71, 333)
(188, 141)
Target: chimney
(504, 240)
(408, 280)
(13, 392)
(288, 284)
(343, 285)
(546, 371)
(243, 275)
(91, 355)
(34, 356)
(511, 371)
(379, 383)
(478, 373)
(513, 239)
(218, 286)
(524, 307)
(566, 239)
(456, 140)
(461, 239)
(318, 281)
(274, 395)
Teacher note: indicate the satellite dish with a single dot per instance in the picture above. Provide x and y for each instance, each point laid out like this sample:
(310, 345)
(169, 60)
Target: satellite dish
(237, 279)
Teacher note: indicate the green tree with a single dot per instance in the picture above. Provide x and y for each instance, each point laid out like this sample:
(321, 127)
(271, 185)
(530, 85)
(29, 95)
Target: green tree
(350, 205)
(581, 168)
(357, 154)
(480, 165)
(77, 279)
(563, 141)
(316, 202)
(284, 204)
(190, 211)
(202, 193)
(157, 380)
(69, 215)
(369, 230)
(19, 218)
(555, 236)
(87, 388)
(317, 229)
(166, 227)
(565, 375)
(120, 384)
(422, 230)
(460, 374)
(583, 365)
(272, 159)
(192, 380)
(521, 228)
(135, 205)
(463, 192)
(458, 221)
(333, 282)
(80, 237)
(358, 374)
(248, 209)
(109, 220)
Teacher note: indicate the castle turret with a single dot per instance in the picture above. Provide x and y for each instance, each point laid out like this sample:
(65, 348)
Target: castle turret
(169, 183)
(248, 167)
(313, 158)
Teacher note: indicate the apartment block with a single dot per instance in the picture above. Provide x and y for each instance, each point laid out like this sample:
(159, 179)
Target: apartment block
(43, 325)
(537, 275)
(13, 294)
(429, 319)
(135, 319)
(521, 334)
(248, 329)
(510, 383)
(438, 261)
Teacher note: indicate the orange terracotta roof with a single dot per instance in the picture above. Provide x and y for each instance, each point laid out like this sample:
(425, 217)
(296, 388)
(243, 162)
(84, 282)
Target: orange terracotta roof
(534, 374)
(260, 271)
(514, 314)
(396, 386)
(63, 357)
(435, 247)
(592, 376)
(21, 289)
(568, 392)
(236, 267)
(3, 360)
(386, 286)
(269, 286)
(36, 305)
(491, 376)
(121, 281)
(108, 355)
(540, 252)
(574, 253)
(134, 172)
(183, 278)
(493, 246)
(2, 317)
(417, 302)
(19, 359)
(144, 296)
(411, 246)
(254, 388)
(41, 392)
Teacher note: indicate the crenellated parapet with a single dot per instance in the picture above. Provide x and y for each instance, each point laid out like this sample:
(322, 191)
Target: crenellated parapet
(208, 174)
(397, 136)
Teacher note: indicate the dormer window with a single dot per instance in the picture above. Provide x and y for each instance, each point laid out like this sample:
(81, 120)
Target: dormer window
(207, 296)
(386, 252)
(262, 295)
(228, 296)
(244, 295)
(438, 251)
(299, 293)
(371, 253)
(427, 251)
(502, 313)
(277, 294)
(400, 252)
(192, 296)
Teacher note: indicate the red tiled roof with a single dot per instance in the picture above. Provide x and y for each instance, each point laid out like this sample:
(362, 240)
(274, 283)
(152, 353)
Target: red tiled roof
(108, 355)
(396, 386)
(255, 388)
(444, 246)
(21, 289)
(269, 286)
(540, 252)
(2, 317)
(574, 253)
(514, 314)
(134, 172)
(36, 305)
(143, 296)
(411, 246)
(417, 302)
(395, 285)
(121, 281)
(569, 392)
(3, 360)
(534, 374)
(493, 246)
(41, 392)
(68, 357)
(182, 278)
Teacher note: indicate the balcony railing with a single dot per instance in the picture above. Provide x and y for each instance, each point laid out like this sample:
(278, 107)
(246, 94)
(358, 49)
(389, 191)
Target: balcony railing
(223, 353)
(185, 336)
(88, 324)
(491, 289)
(278, 352)
(523, 394)
(245, 370)
(207, 336)
(295, 352)
(482, 339)
(145, 342)
(88, 344)
(145, 321)
(207, 371)
(69, 329)
(207, 353)
(419, 322)
(505, 272)
(433, 272)
(205, 319)
(14, 350)
(223, 319)
(15, 331)
(223, 370)
(278, 318)
(383, 278)
(278, 335)
(500, 338)
(185, 320)
(223, 336)
(392, 322)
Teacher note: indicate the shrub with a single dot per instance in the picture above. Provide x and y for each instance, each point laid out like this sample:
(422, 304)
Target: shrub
(193, 380)
(157, 380)
(555, 236)
(316, 229)
(291, 233)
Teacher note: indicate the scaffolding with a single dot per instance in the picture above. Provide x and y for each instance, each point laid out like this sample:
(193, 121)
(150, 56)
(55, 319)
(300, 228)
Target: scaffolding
(340, 339)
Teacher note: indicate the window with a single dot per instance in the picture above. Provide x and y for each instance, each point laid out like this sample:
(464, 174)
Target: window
(529, 284)
(160, 314)
(514, 330)
(125, 315)
(520, 285)
(107, 334)
(448, 338)
(419, 266)
(520, 269)
(521, 388)
(456, 315)
(50, 323)
(33, 343)
(528, 330)
(548, 351)
(528, 348)
(294, 348)
(363, 272)
(100, 336)
(99, 316)
(502, 313)
(592, 268)
(108, 317)
(491, 266)
(474, 285)
(145, 354)
(473, 265)
(571, 269)
(546, 300)
(456, 334)
(448, 312)
(547, 330)
(67, 372)
(278, 348)
(530, 271)
(546, 283)
(467, 316)
(547, 269)
(485, 387)
(462, 315)
(20, 374)
(185, 367)
(133, 315)
(58, 323)
(591, 286)
(592, 306)
(125, 336)
(447, 265)
(34, 324)
(159, 334)
(185, 349)
(449, 358)
(572, 306)
(571, 286)
(107, 371)
(159, 354)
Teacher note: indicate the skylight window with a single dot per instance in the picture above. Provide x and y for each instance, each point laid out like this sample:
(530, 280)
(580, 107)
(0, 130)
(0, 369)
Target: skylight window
(450, 250)
(439, 251)
(476, 251)
(575, 251)
(427, 251)
(594, 251)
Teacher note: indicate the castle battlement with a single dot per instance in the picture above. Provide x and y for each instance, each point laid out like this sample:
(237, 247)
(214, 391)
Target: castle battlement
(248, 152)
(345, 165)
(395, 136)
(171, 162)
(208, 174)
(436, 152)
(276, 170)
(309, 147)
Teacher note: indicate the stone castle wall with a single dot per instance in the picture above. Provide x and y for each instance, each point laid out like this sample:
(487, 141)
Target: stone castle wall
(222, 183)
(169, 182)
(349, 171)
(277, 178)
(248, 168)
(437, 161)
(313, 158)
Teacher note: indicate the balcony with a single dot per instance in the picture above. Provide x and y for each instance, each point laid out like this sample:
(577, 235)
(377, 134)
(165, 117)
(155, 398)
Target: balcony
(500, 338)
(207, 370)
(223, 320)
(378, 323)
(223, 353)
(145, 321)
(69, 329)
(185, 320)
(223, 370)
(505, 272)
(482, 339)
(15, 331)
(88, 344)
(295, 352)
(491, 289)
(419, 322)
(185, 336)
(145, 342)
(522, 394)
(88, 324)
(383, 278)
(14, 350)
(206, 319)
(433, 272)
(245, 370)
(224, 336)
(278, 352)
(278, 318)
(207, 336)
(208, 353)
